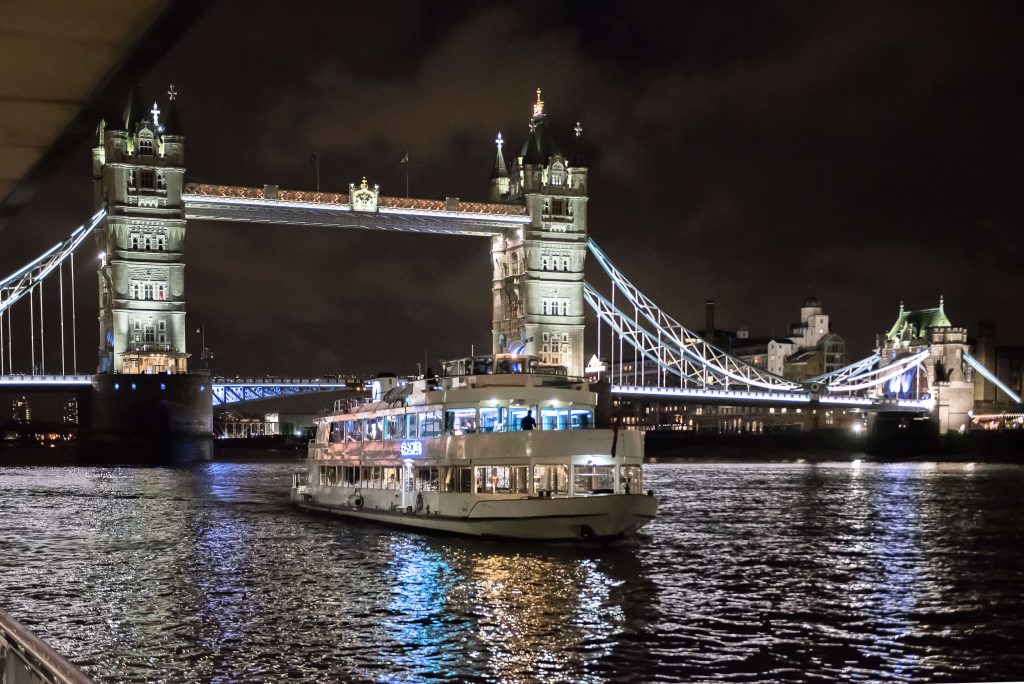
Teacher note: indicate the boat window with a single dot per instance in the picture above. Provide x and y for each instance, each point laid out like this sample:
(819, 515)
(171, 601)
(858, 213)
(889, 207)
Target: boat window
(581, 419)
(349, 476)
(516, 415)
(491, 419)
(551, 478)
(329, 476)
(591, 479)
(374, 429)
(391, 427)
(457, 479)
(430, 423)
(460, 421)
(554, 419)
(410, 426)
(391, 478)
(426, 479)
(337, 432)
(631, 479)
(502, 479)
(353, 430)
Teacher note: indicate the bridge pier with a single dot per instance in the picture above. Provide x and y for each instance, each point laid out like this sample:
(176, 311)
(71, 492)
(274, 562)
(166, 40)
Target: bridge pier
(149, 418)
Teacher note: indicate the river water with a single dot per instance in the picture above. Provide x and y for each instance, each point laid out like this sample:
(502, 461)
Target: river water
(767, 572)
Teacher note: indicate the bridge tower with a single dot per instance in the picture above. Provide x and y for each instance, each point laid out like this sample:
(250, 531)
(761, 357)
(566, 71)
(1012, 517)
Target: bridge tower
(538, 270)
(944, 375)
(138, 174)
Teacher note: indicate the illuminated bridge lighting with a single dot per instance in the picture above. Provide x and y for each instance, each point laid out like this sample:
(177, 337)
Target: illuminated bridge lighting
(45, 380)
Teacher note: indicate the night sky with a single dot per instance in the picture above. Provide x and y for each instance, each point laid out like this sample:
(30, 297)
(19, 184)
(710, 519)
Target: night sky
(754, 154)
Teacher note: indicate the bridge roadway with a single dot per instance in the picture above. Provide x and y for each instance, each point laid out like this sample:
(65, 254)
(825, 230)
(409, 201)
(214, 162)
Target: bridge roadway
(334, 210)
(225, 391)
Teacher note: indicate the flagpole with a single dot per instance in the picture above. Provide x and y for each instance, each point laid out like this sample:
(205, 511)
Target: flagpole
(405, 162)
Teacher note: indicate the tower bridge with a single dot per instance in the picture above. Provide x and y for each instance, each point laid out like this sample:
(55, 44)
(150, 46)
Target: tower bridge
(536, 221)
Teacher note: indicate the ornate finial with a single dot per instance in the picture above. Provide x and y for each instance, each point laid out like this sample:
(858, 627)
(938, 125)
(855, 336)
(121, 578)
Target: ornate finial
(901, 306)
(172, 92)
(155, 111)
(942, 301)
(538, 106)
(533, 127)
(362, 184)
(500, 141)
(578, 129)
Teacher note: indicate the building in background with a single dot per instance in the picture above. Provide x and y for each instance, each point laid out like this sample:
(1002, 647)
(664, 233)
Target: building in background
(21, 411)
(69, 412)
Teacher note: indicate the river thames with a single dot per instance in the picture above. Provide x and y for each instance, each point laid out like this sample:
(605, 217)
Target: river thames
(752, 572)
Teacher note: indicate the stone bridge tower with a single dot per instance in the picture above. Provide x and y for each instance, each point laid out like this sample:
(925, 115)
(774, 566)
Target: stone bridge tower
(138, 175)
(538, 270)
(944, 375)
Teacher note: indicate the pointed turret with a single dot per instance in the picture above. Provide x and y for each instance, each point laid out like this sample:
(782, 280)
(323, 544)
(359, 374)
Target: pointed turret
(499, 174)
(172, 120)
(136, 110)
(577, 158)
(540, 145)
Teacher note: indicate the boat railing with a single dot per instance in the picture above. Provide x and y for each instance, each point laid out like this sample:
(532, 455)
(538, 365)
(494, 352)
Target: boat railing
(27, 659)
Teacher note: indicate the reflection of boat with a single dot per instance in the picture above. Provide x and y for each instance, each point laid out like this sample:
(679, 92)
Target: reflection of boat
(451, 454)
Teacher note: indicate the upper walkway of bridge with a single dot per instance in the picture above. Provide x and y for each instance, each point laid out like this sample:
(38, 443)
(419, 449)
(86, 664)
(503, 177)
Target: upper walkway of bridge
(399, 214)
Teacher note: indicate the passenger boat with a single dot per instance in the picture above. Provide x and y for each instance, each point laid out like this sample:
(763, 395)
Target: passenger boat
(456, 454)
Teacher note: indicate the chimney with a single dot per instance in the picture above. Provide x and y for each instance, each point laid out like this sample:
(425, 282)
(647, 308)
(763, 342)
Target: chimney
(709, 317)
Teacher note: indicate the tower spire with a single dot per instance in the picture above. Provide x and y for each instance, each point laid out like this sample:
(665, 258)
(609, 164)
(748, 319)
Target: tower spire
(538, 106)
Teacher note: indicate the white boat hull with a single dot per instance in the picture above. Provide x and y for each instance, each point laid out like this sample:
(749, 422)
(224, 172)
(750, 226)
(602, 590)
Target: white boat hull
(556, 518)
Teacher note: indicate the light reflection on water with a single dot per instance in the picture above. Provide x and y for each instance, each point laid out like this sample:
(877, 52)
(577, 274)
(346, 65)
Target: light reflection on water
(751, 573)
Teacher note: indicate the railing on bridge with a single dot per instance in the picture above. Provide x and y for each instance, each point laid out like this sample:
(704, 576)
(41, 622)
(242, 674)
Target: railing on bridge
(27, 659)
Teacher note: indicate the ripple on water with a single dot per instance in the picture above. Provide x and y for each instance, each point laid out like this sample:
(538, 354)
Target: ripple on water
(750, 573)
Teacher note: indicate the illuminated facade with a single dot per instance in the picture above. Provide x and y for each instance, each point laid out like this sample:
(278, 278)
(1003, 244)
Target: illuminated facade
(538, 270)
(138, 175)
(944, 376)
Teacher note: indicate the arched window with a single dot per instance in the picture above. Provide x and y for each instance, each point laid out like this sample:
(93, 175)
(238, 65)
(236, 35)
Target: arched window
(135, 291)
(544, 263)
(160, 244)
(556, 176)
(135, 241)
(146, 145)
(149, 243)
(148, 291)
(160, 293)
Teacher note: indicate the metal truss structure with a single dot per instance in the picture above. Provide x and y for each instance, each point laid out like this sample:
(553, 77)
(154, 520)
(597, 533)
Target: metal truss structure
(873, 378)
(848, 372)
(234, 391)
(720, 369)
(332, 210)
(22, 281)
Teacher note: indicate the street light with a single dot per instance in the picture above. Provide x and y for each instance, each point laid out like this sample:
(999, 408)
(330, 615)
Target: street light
(206, 354)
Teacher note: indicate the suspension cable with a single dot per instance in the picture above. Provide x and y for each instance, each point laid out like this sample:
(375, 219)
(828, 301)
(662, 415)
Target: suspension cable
(42, 332)
(63, 367)
(2, 359)
(74, 333)
(32, 328)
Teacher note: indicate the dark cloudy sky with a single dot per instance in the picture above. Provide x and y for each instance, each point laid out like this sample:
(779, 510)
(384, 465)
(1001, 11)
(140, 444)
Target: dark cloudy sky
(748, 152)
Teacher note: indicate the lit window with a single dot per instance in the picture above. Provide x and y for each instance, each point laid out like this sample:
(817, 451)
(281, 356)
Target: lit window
(146, 146)
(146, 178)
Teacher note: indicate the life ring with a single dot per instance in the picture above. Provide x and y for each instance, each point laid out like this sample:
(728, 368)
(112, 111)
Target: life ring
(357, 501)
(419, 501)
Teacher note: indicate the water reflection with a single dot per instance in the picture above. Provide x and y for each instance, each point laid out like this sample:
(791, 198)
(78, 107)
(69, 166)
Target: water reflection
(752, 573)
